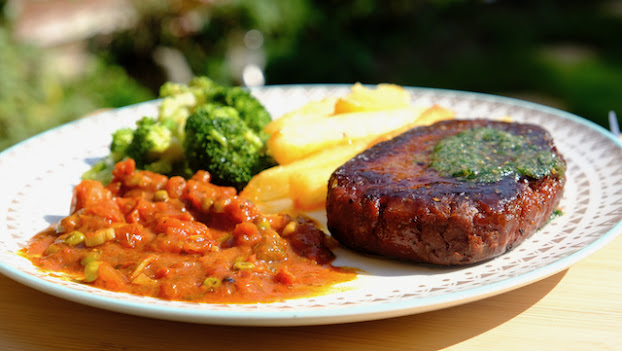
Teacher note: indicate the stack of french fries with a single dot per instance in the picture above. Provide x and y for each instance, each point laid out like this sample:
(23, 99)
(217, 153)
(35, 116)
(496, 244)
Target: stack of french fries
(314, 140)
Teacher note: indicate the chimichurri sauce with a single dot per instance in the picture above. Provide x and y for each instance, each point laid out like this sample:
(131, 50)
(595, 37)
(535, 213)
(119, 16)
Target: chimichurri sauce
(487, 155)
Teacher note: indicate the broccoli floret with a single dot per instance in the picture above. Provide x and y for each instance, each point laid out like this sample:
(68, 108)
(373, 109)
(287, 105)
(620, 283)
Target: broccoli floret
(154, 147)
(202, 82)
(121, 139)
(101, 171)
(180, 100)
(227, 135)
(149, 139)
(172, 88)
(219, 141)
(250, 109)
(177, 108)
(197, 86)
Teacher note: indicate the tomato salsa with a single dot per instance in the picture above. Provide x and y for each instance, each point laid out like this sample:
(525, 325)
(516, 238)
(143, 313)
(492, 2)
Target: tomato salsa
(184, 239)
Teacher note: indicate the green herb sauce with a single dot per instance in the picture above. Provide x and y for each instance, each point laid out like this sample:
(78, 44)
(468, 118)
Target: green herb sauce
(556, 213)
(488, 154)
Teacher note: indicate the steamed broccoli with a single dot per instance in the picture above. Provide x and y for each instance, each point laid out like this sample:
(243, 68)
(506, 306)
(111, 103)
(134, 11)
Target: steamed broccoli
(151, 144)
(154, 147)
(226, 135)
(148, 141)
(250, 109)
(102, 170)
(197, 86)
(180, 100)
(218, 140)
(121, 139)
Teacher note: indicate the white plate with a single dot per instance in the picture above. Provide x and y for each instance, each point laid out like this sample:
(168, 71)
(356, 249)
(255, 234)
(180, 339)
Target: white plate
(38, 176)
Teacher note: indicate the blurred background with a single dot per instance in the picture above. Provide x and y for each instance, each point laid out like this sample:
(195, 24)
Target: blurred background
(63, 59)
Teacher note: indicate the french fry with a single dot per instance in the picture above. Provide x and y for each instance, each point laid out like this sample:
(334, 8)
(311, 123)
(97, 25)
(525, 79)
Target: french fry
(314, 140)
(383, 97)
(433, 114)
(305, 137)
(360, 99)
(308, 190)
(314, 109)
(429, 116)
(275, 183)
(276, 206)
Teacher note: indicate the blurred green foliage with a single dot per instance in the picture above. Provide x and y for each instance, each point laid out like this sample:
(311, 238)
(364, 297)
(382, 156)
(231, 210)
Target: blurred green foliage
(565, 53)
(34, 97)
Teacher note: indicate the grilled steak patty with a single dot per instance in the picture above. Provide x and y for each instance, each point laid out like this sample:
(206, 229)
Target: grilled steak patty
(391, 201)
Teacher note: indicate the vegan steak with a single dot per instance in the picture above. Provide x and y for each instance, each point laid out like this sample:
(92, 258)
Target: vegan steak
(453, 193)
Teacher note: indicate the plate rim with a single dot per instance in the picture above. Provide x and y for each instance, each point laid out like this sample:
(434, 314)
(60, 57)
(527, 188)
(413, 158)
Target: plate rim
(364, 312)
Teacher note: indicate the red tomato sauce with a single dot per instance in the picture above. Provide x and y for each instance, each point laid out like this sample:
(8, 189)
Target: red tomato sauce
(190, 240)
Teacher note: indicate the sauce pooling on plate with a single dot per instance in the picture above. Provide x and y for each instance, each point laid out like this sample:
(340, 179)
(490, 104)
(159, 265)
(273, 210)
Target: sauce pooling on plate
(177, 239)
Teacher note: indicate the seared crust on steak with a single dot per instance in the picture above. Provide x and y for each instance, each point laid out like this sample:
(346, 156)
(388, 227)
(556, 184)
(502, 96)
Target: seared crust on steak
(388, 201)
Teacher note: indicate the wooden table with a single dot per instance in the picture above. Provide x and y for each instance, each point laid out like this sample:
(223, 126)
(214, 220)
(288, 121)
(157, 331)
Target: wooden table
(577, 309)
